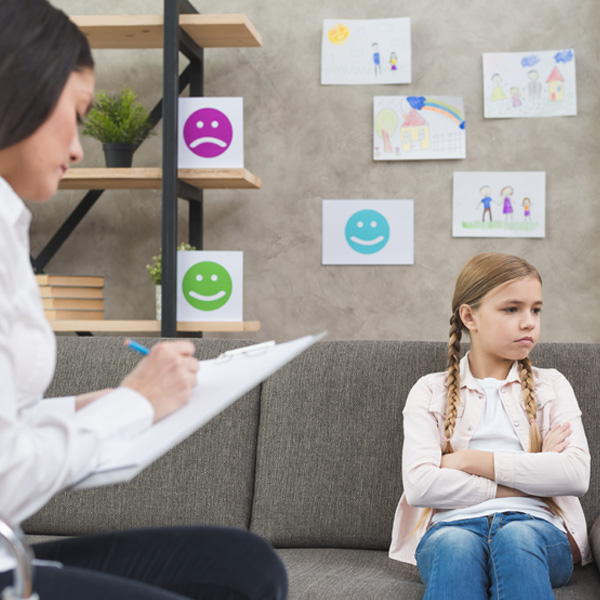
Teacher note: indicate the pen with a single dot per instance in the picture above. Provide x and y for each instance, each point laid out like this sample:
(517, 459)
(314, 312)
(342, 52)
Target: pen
(137, 347)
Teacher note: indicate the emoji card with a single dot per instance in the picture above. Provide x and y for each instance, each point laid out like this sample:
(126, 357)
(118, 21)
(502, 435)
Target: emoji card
(211, 133)
(368, 232)
(210, 285)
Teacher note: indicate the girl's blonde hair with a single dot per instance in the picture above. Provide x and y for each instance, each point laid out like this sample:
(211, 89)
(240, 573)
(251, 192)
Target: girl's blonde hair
(478, 277)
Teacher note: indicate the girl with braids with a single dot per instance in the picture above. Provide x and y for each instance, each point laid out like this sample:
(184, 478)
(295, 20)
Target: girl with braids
(494, 452)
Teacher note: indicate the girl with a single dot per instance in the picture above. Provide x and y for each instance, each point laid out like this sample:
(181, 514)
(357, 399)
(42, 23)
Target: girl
(494, 451)
(46, 87)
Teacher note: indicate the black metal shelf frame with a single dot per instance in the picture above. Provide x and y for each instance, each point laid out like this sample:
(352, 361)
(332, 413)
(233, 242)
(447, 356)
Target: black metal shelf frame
(175, 40)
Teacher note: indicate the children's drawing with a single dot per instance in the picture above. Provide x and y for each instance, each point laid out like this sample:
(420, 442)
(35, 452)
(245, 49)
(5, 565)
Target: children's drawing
(499, 204)
(418, 128)
(366, 51)
(529, 84)
(368, 232)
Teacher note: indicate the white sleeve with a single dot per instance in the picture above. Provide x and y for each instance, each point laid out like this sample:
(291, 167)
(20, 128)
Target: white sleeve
(46, 451)
(64, 405)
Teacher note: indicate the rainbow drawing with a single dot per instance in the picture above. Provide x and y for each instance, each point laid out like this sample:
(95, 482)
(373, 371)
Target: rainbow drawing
(422, 103)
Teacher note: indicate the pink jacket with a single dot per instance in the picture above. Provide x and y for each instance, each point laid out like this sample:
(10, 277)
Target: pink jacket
(563, 475)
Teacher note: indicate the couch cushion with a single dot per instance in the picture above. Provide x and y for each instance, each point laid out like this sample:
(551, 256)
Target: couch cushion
(332, 574)
(330, 439)
(206, 479)
(328, 463)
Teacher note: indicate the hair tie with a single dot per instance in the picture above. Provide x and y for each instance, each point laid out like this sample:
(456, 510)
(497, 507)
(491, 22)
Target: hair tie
(447, 439)
(533, 420)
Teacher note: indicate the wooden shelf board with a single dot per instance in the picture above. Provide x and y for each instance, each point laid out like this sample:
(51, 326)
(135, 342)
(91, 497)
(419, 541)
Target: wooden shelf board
(146, 31)
(137, 326)
(151, 179)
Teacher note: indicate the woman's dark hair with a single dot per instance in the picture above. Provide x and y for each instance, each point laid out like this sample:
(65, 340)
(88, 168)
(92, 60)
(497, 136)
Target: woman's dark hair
(39, 48)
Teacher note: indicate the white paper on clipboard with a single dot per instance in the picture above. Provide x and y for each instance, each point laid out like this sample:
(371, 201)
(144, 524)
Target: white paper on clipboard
(221, 381)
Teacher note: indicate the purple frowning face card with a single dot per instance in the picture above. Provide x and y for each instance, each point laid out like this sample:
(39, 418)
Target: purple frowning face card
(211, 133)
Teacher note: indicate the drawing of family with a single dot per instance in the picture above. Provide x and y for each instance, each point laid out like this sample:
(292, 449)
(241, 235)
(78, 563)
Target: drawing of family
(506, 202)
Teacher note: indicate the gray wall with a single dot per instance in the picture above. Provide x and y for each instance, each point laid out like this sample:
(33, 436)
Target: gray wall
(309, 142)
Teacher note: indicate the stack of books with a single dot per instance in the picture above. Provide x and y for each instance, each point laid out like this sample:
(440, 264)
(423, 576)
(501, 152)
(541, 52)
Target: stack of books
(72, 297)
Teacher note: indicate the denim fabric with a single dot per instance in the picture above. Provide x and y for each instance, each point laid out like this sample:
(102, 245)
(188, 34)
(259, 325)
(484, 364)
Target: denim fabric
(504, 556)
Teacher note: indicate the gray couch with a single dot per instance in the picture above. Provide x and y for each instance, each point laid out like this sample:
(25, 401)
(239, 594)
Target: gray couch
(310, 460)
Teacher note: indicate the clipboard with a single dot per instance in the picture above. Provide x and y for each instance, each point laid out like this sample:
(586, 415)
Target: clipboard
(221, 381)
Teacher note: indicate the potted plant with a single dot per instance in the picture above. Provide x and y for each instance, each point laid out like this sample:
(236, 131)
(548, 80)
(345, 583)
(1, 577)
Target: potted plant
(155, 271)
(121, 123)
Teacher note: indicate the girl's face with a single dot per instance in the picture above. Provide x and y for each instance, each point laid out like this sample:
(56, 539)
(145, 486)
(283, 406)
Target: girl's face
(34, 166)
(506, 325)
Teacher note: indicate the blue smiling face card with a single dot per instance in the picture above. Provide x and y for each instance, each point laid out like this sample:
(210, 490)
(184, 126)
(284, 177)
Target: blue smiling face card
(368, 232)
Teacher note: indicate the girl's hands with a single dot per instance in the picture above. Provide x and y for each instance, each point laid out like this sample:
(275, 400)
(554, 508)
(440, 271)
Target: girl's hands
(556, 439)
(166, 376)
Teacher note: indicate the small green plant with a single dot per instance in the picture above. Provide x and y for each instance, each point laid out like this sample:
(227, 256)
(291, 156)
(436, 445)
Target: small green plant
(155, 269)
(120, 118)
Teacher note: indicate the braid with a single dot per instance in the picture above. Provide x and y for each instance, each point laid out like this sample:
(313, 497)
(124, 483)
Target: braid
(453, 380)
(535, 439)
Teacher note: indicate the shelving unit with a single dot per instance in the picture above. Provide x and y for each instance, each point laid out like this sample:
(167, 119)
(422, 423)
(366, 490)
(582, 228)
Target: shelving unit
(139, 326)
(179, 29)
(151, 179)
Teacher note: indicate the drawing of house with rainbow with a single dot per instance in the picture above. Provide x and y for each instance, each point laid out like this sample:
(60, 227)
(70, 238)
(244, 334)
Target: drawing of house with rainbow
(556, 88)
(415, 132)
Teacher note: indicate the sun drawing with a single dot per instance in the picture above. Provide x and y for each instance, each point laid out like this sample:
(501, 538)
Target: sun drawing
(338, 34)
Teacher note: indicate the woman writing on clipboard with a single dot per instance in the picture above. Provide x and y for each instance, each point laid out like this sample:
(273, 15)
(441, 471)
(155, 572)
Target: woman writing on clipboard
(46, 88)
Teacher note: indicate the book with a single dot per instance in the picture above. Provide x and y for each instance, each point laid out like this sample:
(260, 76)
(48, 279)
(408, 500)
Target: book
(60, 291)
(220, 382)
(71, 280)
(74, 315)
(73, 303)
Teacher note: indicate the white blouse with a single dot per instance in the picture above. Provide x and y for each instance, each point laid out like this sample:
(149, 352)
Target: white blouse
(45, 445)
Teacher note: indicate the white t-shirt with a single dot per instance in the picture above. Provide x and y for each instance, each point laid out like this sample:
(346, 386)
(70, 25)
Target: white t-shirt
(495, 433)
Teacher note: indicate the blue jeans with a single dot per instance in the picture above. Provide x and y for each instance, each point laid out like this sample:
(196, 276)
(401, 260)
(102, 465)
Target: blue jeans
(505, 556)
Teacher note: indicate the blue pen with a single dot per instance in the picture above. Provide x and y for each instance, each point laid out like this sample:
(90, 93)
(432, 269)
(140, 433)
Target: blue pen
(137, 347)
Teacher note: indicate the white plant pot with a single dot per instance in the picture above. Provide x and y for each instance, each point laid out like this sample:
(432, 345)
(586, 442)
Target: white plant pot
(158, 297)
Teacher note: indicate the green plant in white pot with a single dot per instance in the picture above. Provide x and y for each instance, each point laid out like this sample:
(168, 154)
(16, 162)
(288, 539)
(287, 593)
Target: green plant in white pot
(155, 272)
(121, 123)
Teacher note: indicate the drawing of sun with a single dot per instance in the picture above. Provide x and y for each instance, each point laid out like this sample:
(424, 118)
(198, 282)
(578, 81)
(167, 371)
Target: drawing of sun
(338, 34)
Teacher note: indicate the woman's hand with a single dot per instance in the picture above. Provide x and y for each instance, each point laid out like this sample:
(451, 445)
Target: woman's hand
(556, 439)
(166, 376)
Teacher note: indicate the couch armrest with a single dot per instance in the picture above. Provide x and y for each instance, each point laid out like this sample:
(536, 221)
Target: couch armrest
(595, 540)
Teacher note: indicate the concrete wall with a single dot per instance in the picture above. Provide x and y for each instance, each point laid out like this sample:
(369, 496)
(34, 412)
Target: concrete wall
(309, 142)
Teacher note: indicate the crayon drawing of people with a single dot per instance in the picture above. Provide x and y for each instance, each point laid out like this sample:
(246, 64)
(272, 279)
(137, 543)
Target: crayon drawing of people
(486, 200)
(376, 58)
(393, 61)
(516, 97)
(534, 89)
(507, 209)
(497, 92)
(527, 209)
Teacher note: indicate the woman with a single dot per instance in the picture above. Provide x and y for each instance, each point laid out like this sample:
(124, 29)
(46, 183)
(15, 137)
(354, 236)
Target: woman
(46, 88)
